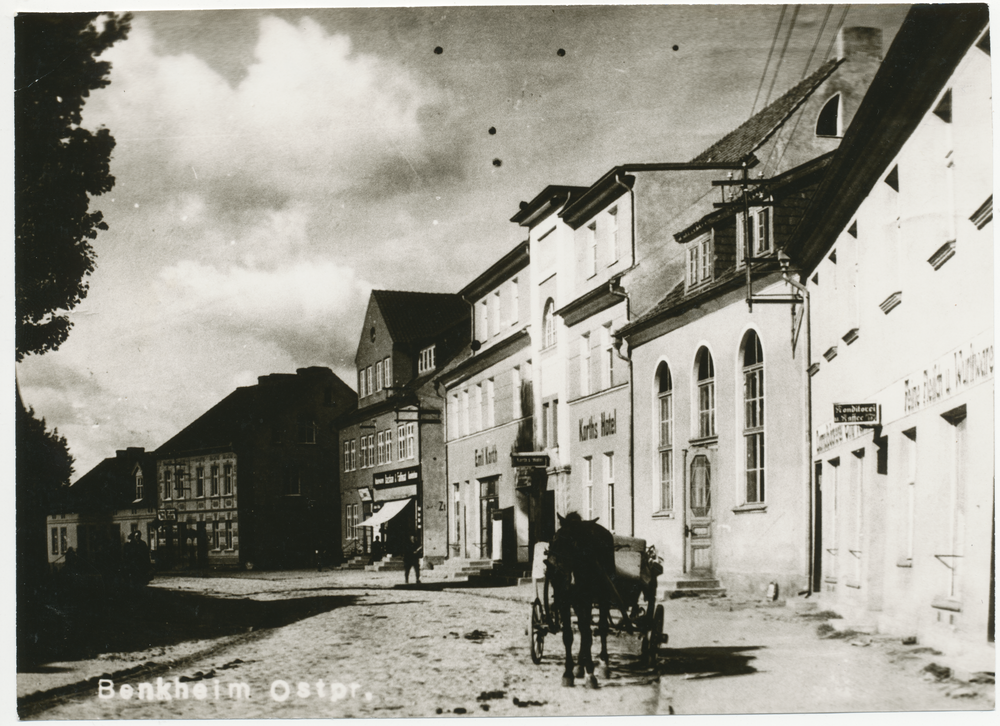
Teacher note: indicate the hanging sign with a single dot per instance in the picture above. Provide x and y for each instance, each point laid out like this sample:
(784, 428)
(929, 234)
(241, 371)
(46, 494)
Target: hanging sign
(857, 413)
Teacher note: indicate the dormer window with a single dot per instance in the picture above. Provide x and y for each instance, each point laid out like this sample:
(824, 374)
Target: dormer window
(700, 260)
(761, 235)
(828, 121)
(138, 485)
(426, 361)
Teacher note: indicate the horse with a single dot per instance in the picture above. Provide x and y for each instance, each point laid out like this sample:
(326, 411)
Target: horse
(580, 567)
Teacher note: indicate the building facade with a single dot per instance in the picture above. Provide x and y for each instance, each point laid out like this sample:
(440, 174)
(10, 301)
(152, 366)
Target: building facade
(253, 481)
(899, 267)
(494, 504)
(392, 449)
(95, 515)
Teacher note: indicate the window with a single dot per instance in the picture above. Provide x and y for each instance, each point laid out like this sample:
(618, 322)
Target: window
(215, 535)
(199, 482)
(388, 446)
(490, 404)
(307, 431)
(550, 423)
(753, 417)
(585, 364)
(368, 380)
(588, 484)
(608, 372)
(401, 441)
(478, 407)
(549, 324)
(484, 320)
(347, 456)
(615, 245)
(665, 387)
(378, 375)
(354, 455)
(828, 121)
(387, 371)
(426, 360)
(380, 447)
(165, 488)
(706, 258)
(693, 266)
(411, 440)
(55, 540)
(496, 312)
(591, 249)
(227, 480)
(215, 480)
(178, 484)
(138, 484)
(910, 462)
(63, 540)
(465, 412)
(361, 384)
(515, 388)
(706, 394)
(229, 534)
(700, 260)
(761, 235)
(515, 313)
(293, 483)
(609, 479)
(371, 450)
(454, 429)
(958, 453)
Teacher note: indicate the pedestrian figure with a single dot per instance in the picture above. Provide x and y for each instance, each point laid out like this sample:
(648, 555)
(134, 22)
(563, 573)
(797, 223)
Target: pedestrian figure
(377, 549)
(411, 559)
(136, 560)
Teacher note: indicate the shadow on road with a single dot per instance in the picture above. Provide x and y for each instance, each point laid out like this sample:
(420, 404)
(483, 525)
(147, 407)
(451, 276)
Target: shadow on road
(709, 662)
(76, 626)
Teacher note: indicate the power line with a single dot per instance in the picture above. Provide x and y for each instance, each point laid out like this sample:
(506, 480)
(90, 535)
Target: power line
(788, 37)
(829, 9)
(774, 41)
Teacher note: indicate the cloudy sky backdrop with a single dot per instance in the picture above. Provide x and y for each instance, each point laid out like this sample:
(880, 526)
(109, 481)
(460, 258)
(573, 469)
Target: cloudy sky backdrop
(274, 166)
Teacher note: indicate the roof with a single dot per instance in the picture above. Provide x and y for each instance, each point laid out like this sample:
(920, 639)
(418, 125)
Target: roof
(110, 485)
(738, 144)
(235, 416)
(512, 262)
(551, 197)
(417, 316)
(930, 44)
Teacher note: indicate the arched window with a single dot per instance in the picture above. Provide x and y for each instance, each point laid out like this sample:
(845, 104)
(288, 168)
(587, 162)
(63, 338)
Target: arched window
(753, 417)
(549, 324)
(665, 395)
(828, 122)
(706, 394)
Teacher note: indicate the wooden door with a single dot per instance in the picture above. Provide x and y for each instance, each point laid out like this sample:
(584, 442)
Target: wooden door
(699, 503)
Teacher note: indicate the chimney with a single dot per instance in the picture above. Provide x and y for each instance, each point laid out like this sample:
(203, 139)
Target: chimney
(130, 451)
(855, 42)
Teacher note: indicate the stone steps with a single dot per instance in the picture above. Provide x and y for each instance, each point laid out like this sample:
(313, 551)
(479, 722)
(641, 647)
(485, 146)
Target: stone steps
(689, 587)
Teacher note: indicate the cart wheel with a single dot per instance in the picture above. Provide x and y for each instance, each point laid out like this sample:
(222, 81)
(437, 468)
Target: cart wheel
(537, 632)
(656, 634)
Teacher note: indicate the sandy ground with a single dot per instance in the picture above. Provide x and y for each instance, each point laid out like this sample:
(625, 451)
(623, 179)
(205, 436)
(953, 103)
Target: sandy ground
(387, 652)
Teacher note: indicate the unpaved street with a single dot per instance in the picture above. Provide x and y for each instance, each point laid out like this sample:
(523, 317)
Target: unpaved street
(375, 651)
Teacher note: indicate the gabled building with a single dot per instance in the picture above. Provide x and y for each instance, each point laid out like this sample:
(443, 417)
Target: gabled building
(495, 501)
(392, 463)
(254, 480)
(97, 513)
(897, 252)
(719, 361)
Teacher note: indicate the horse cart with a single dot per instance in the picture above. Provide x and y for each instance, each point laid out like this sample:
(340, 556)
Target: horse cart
(631, 592)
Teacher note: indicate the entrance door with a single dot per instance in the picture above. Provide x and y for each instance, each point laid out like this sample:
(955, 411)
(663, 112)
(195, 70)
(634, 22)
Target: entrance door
(487, 505)
(699, 530)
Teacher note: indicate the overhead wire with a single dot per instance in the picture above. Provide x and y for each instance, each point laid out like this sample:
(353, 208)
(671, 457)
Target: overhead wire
(843, 16)
(805, 70)
(784, 48)
(774, 42)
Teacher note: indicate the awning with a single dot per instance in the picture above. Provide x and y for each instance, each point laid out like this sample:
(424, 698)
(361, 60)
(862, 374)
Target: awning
(387, 512)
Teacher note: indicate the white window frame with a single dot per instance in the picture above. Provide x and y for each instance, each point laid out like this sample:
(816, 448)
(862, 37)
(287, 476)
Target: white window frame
(401, 442)
(549, 324)
(380, 447)
(585, 364)
(754, 470)
(496, 312)
(484, 321)
(199, 479)
(139, 485)
(387, 371)
(478, 407)
(515, 387)
(465, 413)
(411, 440)
(378, 375)
(588, 482)
(228, 480)
(608, 369)
(368, 374)
(615, 239)
(592, 249)
(515, 313)
(490, 404)
(665, 440)
(609, 485)
(426, 362)
(705, 396)
(214, 487)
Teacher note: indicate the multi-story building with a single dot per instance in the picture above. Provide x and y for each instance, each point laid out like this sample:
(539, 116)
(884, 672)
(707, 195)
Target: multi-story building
(719, 362)
(897, 254)
(253, 481)
(393, 472)
(96, 515)
(496, 498)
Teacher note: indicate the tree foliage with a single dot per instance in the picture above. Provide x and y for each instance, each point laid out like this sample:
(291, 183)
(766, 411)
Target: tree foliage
(58, 166)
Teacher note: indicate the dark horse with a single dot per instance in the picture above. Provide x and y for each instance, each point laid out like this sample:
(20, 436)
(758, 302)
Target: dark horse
(580, 567)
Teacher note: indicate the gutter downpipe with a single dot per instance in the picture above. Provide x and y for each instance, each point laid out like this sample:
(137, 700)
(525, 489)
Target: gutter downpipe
(811, 514)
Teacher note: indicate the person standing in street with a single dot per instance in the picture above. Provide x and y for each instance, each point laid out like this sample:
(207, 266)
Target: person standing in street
(411, 559)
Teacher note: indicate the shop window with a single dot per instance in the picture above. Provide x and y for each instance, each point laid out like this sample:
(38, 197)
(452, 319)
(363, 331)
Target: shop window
(706, 394)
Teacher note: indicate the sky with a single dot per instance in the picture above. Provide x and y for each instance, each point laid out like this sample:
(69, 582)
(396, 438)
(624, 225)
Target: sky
(274, 166)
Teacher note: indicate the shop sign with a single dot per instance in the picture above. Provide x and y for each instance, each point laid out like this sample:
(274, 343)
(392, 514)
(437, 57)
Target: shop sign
(532, 459)
(396, 477)
(486, 455)
(949, 375)
(365, 494)
(856, 413)
(833, 434)
(592, 429)
(166, 515)
(392, 494)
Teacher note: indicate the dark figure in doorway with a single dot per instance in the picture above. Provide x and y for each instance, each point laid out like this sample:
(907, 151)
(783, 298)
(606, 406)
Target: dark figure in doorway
(377, 550)
(136, 560)
(411, 559)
